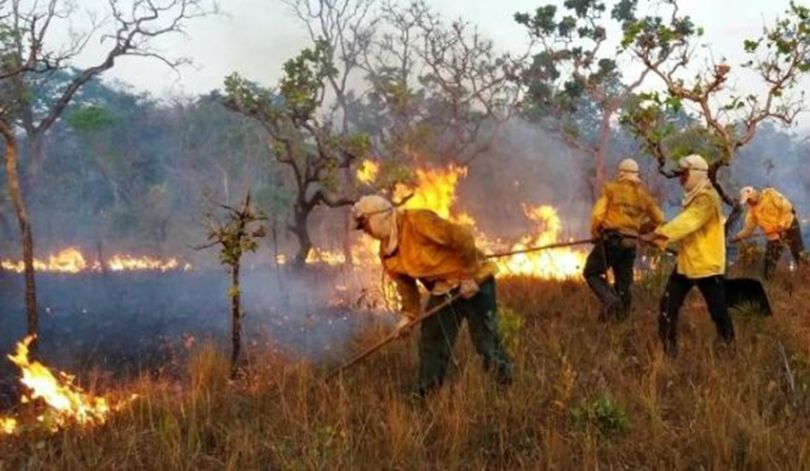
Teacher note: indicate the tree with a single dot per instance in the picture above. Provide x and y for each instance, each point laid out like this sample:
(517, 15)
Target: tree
(235, 236)
(312, 149)
(29, 63)
(575, 85)
(439, 91)
(721, 120)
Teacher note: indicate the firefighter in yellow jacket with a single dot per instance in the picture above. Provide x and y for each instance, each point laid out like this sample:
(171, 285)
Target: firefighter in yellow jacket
(419, 246)
(776, 218)
(699, 234)
(620, 213)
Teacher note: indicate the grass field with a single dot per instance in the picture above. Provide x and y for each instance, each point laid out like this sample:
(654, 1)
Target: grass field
(586, 396)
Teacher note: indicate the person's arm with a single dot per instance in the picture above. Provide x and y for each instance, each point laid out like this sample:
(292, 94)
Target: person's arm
(598, 214)
(689, 220)
(785, 212)
(749, 227)
(408, 295)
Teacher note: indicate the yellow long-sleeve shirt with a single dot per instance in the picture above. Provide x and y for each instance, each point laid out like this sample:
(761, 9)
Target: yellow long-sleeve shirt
(698, 231)
(432, 249)
(773, 214)
(625, 206)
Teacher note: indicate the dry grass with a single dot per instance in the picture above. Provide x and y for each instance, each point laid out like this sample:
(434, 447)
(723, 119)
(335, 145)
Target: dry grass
(587, 395)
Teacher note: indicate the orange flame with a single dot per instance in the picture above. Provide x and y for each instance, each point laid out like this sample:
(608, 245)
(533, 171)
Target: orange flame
(71, 260)
(561, 263)
(67, 402)
(368, 172)
(8, 426)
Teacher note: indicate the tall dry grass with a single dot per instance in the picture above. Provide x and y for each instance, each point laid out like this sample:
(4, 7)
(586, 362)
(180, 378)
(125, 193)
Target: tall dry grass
(586, 396)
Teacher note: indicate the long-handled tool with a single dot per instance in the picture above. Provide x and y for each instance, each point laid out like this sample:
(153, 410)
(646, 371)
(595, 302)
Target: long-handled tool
(739, 291)
(435, 309)
(394, 335)
(556, 245)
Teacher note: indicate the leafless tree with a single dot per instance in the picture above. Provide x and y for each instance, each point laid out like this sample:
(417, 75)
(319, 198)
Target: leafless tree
(31, 66)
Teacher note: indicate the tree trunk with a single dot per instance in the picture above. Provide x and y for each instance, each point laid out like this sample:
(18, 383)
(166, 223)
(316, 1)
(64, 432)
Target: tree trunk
(25, 227)
(302, 233)
(236, 319)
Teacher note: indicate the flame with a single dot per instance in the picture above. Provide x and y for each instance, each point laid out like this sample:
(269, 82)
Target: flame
(558, 264)
(8, 425)
(435, 189)
(325, 257)
(67, 402)
(71, 260)
(368, 172)
(122, 262)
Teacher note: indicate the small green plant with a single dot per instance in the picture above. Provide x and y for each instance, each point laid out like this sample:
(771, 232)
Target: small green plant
(510, 324)
(604, 413)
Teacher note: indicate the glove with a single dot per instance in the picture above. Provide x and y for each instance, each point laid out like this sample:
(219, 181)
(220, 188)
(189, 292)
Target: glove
(468, 288)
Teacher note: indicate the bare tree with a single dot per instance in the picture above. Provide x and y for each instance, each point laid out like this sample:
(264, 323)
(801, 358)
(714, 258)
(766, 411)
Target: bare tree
(724, 120)
(445, 88)
(30, 67)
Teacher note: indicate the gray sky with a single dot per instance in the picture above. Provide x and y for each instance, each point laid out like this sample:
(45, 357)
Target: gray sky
(255, 37)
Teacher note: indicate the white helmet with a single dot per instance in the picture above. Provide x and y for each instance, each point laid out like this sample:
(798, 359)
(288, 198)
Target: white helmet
(747, 194)
(694, 162)
(628, 166)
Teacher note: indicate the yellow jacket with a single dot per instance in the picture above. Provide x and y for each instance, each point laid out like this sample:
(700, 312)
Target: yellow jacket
(699, 232)
(625, 206)
(773, 213)
(432, 249)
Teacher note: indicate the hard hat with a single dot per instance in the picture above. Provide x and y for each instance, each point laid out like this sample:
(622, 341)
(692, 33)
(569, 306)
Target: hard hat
(368, 206)
(628, 166)
(747, 193)
(694, 162)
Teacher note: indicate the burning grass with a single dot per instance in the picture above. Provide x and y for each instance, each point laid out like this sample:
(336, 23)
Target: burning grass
(586, 395)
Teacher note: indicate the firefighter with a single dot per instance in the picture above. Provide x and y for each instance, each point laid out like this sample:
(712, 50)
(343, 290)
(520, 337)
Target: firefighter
(698, 231)
(419, 246)
(776, 218)
(621, 212)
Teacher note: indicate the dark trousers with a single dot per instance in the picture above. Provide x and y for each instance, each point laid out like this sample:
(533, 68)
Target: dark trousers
(774, 248)
(610, 253)
(678, 286)
(439, 333)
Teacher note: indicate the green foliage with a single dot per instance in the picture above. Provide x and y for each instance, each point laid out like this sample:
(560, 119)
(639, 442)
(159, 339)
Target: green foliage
(603, 413)
(89, 118)
(510, 325)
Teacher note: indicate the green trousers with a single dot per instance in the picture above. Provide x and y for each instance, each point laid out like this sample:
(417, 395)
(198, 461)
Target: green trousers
(439, 333)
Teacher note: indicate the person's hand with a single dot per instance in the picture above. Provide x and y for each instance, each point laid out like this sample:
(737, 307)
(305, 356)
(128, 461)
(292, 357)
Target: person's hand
(652, 238)
(468, 288)
(402, 328)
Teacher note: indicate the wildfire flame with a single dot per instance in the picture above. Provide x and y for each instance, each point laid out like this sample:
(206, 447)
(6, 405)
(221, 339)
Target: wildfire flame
(67, 402)
(71, 260)
(368, 171)
(435, 189)
(561, 263)
(129, 263)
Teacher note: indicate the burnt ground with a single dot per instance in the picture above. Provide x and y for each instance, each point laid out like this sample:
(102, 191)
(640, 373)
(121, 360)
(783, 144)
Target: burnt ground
(124, 324)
